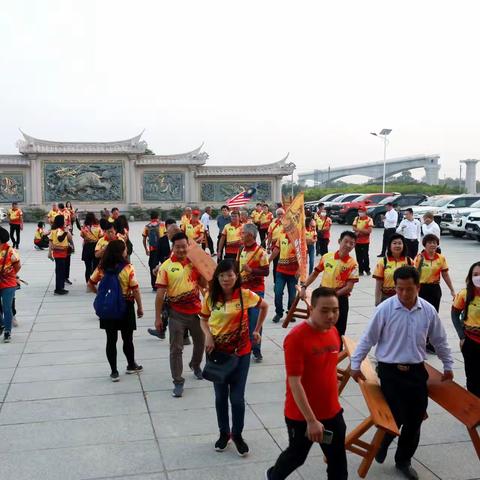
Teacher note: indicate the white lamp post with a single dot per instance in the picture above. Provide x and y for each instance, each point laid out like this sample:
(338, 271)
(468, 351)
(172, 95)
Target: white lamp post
(383, 134)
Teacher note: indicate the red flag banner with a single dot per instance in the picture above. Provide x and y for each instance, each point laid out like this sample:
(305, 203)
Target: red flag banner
(294, 225)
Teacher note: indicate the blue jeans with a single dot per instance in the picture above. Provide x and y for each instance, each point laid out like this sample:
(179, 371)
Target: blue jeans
(6, 297)
(280, 281)
(311, 257)
(252, 323)
(234, 388)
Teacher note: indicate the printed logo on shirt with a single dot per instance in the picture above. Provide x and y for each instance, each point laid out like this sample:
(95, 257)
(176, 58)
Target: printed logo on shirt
(326, 349)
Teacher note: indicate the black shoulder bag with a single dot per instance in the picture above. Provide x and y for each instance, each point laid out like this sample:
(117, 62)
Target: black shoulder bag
(220, 365)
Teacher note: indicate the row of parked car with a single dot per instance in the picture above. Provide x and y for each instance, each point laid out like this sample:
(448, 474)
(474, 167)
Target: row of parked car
(458, 215)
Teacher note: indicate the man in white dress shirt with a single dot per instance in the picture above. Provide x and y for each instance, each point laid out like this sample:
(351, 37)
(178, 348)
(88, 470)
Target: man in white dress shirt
(400, 327)
(205, 219)
(410, 228)
(389, 226)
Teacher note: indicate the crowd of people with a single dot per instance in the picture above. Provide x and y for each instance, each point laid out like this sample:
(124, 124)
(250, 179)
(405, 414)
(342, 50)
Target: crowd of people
(224, 317)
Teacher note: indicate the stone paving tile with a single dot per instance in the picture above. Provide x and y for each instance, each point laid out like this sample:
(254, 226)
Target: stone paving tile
(82, 463)
(60, 394)
(71, 388)
(196, 451)
(74, 433)
(73, 408)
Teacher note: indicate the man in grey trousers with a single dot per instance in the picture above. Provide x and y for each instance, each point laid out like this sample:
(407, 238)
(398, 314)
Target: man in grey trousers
(180, 282)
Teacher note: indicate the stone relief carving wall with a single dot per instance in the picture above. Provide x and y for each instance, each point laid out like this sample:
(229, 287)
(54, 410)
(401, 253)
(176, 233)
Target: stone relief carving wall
(12, 187)
(83, 182)
(163, 186)
(221, 191)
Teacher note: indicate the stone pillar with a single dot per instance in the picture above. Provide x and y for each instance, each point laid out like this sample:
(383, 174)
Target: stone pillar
(132, 196)
(277, 190)
(35, 181)
(191, 188)
(431, 174)
(471, 175)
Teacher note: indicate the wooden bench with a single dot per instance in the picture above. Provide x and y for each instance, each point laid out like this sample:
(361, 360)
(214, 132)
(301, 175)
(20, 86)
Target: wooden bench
(380, 416)
(456, 400)
(296, 312)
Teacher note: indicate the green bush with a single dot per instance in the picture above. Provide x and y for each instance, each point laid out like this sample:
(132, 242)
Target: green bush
(34, 214)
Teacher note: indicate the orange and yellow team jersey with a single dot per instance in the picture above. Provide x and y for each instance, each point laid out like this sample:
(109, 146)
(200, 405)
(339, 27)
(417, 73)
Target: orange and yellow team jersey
(127, 279)
(39, 233)
(337, 271)
(323, 225)
(52, 214)
(91, 233)
(311, 235)
(66, 215)
(194, 230)
(274, 230)
(430, 268)
(265, 220)
(361, 223)
(15, 216)
(224, 320)
(233, 238)
(255, 257)
(184, 220)
(59, 247)
(104, 241)
(162, 230)
(287, 260)
(255, 215)
(180, 278)
(385, 269)
(472, 321)
(8, 258)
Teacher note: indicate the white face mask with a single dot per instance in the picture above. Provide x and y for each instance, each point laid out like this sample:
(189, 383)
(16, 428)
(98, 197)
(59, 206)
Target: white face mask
(323, 214)
(362, 214)
(476, 281)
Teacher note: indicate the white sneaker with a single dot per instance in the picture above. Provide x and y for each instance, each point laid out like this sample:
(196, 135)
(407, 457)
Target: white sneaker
(14, 321)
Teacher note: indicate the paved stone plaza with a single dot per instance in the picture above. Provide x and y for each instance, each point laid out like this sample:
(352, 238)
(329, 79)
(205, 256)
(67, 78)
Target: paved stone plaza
(62, 418)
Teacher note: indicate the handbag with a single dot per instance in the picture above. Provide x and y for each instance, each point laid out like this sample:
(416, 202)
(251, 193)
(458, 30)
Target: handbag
(220, 365)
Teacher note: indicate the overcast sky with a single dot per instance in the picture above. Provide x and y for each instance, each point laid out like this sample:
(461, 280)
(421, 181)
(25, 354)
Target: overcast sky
(252, 79)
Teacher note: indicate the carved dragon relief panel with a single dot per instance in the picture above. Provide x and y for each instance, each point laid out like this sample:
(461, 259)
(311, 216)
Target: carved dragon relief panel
(221, 191)
(83, 182)
(163, 186)
(12, 187)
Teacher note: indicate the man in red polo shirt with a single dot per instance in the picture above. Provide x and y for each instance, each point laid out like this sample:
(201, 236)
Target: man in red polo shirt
(312, 409)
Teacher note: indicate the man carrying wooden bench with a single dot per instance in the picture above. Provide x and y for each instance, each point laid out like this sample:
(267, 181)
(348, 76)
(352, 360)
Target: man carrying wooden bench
(400, 327)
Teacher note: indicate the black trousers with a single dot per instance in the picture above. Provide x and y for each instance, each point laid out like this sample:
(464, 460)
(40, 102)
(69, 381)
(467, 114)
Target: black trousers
(322, 244)
(209, 244)
(15, 232)
(412, 247)
(361, 251)
(67, 266)
(299, 446)
(111, 348)
(60, 273)
(153, 261)
(275, 263)
(263, 236)
(88, 257)
(407, 396)
(471, 358)
(342, 314)
(387, 233)
(432, 293)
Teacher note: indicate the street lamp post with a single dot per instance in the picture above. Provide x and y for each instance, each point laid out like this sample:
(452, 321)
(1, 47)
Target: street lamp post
(383, 134)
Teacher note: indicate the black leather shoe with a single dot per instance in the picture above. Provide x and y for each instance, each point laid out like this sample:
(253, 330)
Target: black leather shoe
(408, 471)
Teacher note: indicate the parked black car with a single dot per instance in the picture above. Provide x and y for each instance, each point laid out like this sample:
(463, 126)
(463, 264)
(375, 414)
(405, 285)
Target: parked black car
(377, 212)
